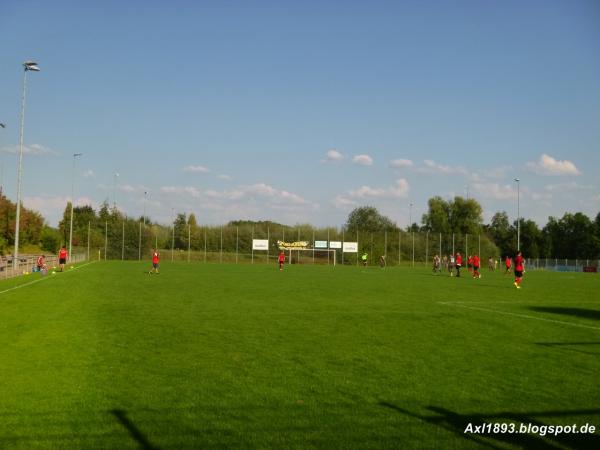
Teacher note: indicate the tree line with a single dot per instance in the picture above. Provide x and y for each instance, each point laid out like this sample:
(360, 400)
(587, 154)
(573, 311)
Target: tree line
(571, 236)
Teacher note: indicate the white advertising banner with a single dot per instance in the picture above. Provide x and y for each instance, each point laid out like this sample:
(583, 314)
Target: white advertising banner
(350, 247)
(260, 244)
(335, 244)
(320, 244)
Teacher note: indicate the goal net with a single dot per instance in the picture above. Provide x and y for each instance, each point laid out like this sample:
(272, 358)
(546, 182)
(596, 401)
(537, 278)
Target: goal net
(311, 256)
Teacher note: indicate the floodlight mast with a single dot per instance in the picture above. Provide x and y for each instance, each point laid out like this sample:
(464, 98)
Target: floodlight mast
(2, 167)
(518, 215)
(28, 66)
(75, 156)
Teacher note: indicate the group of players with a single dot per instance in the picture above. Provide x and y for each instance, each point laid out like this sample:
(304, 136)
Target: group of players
(41, 266)
(453, 264)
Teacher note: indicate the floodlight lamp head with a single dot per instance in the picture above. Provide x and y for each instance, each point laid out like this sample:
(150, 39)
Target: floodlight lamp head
(517, 180)
(2, 125)
(30, 65)
(75, 155)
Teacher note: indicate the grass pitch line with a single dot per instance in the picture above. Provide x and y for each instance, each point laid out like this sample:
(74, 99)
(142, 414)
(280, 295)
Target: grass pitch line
(38, 280)
(522, 316)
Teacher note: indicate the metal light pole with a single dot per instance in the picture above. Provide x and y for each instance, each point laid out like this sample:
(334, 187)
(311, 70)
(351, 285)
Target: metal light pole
(75, 155)
(28, 65)
(1, 167)
(518, 215)
(410, 216)
(144, 215)
(173, 233)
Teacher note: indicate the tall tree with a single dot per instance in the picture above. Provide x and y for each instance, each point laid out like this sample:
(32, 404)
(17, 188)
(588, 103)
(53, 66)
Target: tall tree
(454, 216)
(367, 218)
(503, 234)
(437, 219)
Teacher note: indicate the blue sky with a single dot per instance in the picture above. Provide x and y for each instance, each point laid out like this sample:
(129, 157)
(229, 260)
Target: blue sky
(300, 111)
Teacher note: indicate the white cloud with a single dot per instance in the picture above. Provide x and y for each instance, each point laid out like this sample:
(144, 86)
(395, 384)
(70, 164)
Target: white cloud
(398, 190)
(494, 191)
(363, 160)
(431, 167)
(499, 172)
(547, 165)
(224, 177)
(33, 150)
(573, 186)
(401, 163)
(127, 188)
(89, 174)
(333, 156)
(181, 190)
(260, 192)
(196, 169)
(342, 202)
(52, 207)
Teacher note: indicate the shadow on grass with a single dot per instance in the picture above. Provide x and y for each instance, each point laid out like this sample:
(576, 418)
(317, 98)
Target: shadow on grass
(135, 433)
(458, 423)
(576, 312)
(572, 346)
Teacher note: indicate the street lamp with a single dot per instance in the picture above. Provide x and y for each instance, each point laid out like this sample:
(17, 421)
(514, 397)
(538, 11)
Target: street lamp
(518, 215)
(28, 66)
(75, 156)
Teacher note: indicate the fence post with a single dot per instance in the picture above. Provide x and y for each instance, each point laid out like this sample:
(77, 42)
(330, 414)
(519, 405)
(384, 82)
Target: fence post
(357, 247)
(385, 244)
(221, 246)
(342, 246)
(172, 240)
(399, 247)
(268, 243)
(328, 246)
(88, 242)
(453, 254)
(123, 243)
(467, 246)
(298, 240)
(427, 247)
(105, 238)
(252, 244)
(205, 235)
(413, 249)
(313, 245)
(140, 243)
(189, 240)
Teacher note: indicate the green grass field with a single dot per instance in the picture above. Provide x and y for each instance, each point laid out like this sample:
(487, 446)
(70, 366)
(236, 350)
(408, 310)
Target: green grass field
(245, 356)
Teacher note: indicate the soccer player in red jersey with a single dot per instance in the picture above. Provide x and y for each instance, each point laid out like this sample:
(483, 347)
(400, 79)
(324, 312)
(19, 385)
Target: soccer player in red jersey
(507, 262)
(154, 261)
(62, 258)
(458, 264)
(41, 263)
(281, 259)
(476, 263)
(518, 270)
(470, 263)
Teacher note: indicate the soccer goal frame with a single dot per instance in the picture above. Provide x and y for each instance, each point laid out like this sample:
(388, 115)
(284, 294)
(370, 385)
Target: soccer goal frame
(331, 254)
